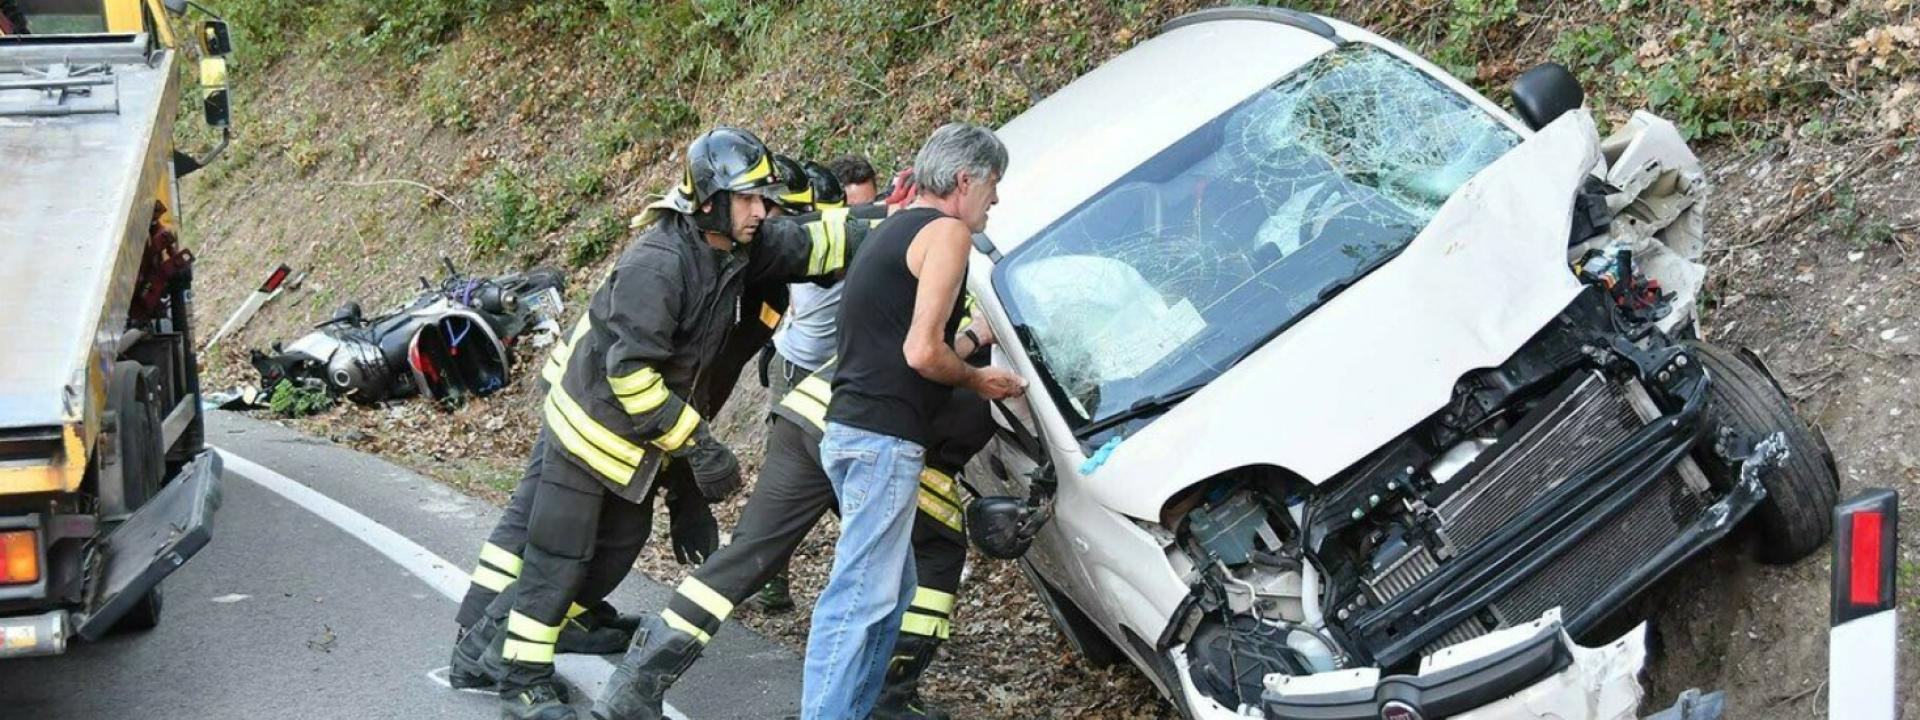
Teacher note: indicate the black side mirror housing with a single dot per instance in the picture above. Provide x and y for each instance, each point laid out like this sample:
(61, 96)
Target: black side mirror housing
(1544, 93)
(214, 105)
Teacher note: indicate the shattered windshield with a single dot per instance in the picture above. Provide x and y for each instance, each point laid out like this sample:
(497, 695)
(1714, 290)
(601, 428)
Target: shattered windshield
(1169, 275)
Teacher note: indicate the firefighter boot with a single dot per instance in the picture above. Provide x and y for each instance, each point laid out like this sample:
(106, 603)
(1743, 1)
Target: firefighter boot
(900, 695)
(529, 691)
(638, 687)
(467, 670)
(773, 598)
(587, 634)
(611, 617)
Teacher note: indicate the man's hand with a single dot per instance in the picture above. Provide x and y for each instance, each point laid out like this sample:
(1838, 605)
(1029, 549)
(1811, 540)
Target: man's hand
(715, 469)
(696, 535)
(996, 383)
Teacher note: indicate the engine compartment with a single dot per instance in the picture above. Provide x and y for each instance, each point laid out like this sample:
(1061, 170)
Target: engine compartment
(1495, 509)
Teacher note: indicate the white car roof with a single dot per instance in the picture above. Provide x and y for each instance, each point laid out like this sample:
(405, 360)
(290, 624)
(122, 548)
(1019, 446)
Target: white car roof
(1091, 132)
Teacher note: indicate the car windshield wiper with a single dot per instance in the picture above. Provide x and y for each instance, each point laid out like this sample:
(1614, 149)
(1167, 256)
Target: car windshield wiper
(1146, 406)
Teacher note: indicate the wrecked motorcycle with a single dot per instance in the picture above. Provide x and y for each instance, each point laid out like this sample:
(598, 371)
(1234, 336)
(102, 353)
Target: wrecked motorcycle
(448, 343)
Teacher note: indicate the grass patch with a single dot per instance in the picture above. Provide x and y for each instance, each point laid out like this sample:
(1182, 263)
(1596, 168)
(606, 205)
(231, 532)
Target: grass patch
(513, 213)
(602, 234)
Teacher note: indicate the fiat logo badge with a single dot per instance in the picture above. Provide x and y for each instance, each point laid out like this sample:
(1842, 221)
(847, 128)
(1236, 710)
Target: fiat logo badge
(1398, 710)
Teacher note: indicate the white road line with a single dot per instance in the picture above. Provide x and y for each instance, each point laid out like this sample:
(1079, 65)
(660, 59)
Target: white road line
(588, 672)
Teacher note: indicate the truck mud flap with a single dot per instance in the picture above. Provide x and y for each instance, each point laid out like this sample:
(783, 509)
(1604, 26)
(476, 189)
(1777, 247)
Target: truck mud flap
(160, 537)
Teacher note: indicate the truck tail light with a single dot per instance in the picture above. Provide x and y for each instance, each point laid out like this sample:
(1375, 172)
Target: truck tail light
(19, 557)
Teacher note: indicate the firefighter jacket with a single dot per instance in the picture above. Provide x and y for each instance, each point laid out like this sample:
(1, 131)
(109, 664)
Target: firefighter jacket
(623, 383)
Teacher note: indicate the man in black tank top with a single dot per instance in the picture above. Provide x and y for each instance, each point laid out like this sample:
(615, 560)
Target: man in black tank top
(898, 359)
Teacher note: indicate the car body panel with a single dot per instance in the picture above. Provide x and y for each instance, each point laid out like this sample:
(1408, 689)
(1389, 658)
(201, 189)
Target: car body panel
(1385, 353)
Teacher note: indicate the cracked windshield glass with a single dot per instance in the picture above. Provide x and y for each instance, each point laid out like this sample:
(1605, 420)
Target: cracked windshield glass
(1165, 278)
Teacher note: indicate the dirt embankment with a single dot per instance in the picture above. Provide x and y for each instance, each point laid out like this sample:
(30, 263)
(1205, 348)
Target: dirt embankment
(380, 139)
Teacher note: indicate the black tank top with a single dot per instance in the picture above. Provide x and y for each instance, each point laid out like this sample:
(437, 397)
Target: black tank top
(875, 389)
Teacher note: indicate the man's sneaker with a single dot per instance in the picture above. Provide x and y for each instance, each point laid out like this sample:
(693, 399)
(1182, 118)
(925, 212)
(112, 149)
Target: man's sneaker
(539, 701)
(774, 598)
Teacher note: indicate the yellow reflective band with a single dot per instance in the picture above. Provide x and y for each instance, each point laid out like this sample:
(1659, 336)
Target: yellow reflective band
(940, 483)
(634, 382)
(925, 625)
(769, 316)
(927, 598)
(938, 509)
(486, 577)
(568, 430)
(828, 205)
(531, 629)
(679, 623)
(708, 600)
(836, 220)
(815, 387)
(817, 257)
(527, 652)
(645, 401)
(574, 610)
(498, 557)
(677, 435)
(808, 408)
(761, 170)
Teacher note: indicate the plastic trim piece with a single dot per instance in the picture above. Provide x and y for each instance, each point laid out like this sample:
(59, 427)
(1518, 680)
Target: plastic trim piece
(1439, 694)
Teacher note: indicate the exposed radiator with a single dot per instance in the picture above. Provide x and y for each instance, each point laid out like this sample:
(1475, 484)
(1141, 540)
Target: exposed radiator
(1569, 432)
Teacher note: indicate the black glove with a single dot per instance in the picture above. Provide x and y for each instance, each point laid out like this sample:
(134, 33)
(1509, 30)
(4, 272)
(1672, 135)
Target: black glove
(695, 533)
(715, 469)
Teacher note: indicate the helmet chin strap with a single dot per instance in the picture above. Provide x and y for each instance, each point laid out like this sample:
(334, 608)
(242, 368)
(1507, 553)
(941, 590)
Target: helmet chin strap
(718, 219)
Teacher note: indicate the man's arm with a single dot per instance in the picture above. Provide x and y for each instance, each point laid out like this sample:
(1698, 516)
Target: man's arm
(938, 258)
(814, 247)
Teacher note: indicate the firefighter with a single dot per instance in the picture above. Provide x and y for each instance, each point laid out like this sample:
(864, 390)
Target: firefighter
(790, 496)
(624, 404)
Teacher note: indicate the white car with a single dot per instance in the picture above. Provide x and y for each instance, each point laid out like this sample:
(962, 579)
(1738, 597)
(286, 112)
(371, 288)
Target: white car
(1353, 395)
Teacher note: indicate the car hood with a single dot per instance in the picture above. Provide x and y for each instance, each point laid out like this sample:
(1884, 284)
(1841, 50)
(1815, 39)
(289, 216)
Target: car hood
(1485, 275)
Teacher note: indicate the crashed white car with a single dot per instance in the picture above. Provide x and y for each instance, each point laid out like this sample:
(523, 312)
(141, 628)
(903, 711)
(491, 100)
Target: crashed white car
(1353, 395)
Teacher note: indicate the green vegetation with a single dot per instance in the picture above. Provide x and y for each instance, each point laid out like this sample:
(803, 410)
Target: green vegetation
(291, 399)
(590, 245)
(514, 213)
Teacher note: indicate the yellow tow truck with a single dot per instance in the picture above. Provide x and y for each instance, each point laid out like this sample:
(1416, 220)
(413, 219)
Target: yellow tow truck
(105, 483)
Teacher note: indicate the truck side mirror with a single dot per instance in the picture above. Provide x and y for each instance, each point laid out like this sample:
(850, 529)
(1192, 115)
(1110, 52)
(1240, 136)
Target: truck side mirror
(214, 105)
(213, 89)
(216, 38)
(1544, 93)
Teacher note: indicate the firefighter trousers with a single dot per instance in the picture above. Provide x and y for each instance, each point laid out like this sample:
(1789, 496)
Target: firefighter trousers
(562, 545)
(791, 494)
(500, 555)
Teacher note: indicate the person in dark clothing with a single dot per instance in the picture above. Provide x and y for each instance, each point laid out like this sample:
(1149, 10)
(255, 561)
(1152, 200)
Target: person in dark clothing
(793, 491)
(897, 363)
(13, 21)
(625, 404)
(856, 178)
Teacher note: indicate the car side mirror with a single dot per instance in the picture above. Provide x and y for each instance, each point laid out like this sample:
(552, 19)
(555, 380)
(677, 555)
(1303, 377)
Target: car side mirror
(1544, 93)
(216, 38)
(214, 106)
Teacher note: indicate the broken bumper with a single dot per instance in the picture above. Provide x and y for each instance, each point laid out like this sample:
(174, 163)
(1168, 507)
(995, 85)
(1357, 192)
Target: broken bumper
(1527, 671)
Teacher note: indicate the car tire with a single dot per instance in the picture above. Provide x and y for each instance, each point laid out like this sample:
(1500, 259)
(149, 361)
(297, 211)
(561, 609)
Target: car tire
(1081, 631)
(136, 404)
(1796, 517)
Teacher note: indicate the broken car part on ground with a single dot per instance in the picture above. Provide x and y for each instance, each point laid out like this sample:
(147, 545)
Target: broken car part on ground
(1357, 395)
(450, 342)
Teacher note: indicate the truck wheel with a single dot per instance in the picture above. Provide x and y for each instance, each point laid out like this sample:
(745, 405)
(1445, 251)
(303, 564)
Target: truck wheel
(1796, 517)
(143, 460)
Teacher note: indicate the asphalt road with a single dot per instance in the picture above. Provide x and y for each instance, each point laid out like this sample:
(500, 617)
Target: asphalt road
(325, 594)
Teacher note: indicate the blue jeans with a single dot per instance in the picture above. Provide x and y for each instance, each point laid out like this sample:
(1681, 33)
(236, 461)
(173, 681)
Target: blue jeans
(877, 478)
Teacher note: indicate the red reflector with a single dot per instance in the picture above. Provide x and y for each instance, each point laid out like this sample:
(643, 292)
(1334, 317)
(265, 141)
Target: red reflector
(1863, 586)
